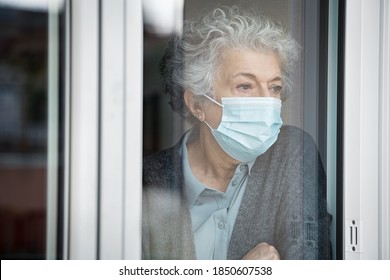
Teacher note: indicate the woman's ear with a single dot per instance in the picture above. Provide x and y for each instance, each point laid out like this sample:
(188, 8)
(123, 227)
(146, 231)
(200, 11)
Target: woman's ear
(193, 105)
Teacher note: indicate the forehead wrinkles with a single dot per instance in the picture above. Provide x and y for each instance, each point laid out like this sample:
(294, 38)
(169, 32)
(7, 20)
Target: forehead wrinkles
(243, 58)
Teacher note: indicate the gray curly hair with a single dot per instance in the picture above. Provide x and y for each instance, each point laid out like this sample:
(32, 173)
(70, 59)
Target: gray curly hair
(192, 57)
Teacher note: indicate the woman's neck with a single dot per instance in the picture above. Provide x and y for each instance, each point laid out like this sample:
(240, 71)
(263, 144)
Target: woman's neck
(209, 163)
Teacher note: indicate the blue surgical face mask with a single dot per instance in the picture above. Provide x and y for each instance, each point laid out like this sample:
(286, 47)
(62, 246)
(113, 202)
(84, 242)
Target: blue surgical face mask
(249, 126)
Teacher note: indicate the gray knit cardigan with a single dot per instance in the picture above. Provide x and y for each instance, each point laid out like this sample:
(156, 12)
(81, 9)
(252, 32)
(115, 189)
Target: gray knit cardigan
(284, 204)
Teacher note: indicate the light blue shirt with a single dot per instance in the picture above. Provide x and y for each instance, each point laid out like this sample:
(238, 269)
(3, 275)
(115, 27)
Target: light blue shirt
(213, 213)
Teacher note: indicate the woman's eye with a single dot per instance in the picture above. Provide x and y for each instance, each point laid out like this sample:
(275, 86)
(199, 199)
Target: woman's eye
(244, 86)
(276, 89)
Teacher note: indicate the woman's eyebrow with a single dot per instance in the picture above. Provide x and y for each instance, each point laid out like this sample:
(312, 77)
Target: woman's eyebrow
(252, 76)
(246, 74)
(276, 79)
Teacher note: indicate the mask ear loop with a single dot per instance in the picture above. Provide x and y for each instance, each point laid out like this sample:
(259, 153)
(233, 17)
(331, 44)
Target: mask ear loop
(215, 102)
(208, 125)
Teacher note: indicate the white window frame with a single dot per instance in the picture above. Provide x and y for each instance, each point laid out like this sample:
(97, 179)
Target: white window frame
(384, 141)
(366, 128)
(121, 130)
(104, 130)
(81, 232)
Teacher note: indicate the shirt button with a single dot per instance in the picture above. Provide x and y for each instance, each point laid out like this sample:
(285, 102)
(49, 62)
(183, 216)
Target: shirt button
(221, 225)
(234, 183)
(243, 167)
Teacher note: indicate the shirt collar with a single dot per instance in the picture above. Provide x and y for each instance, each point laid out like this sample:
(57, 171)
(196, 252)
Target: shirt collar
(192, 187)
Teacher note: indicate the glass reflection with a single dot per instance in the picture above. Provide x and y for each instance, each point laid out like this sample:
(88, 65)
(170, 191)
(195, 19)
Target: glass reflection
(218, 193)
(23, 131)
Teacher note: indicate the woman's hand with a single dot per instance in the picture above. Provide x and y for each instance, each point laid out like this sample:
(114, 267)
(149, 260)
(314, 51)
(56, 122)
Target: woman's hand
(262, 251)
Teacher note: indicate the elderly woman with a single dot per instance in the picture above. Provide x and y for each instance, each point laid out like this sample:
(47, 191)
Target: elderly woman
(238, 185)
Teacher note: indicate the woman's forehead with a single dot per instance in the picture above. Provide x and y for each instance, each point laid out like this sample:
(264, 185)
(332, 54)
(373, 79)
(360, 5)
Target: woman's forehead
(248, 63)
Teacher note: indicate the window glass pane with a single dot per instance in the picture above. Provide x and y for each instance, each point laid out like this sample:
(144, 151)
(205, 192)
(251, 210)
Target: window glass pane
(190, 194)
(24, 48)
